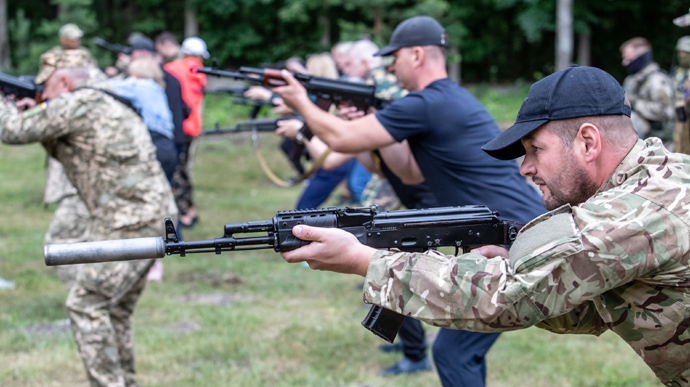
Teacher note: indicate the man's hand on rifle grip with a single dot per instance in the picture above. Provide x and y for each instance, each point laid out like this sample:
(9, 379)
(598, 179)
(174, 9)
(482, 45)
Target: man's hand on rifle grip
(293, 94)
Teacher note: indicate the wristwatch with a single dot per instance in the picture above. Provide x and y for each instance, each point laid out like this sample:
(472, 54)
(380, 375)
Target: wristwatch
(303, 134)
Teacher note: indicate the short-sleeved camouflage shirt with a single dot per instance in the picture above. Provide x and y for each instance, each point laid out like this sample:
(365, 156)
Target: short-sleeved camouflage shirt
(619, 261)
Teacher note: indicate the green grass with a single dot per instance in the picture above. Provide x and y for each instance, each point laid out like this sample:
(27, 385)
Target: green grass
(282, 325)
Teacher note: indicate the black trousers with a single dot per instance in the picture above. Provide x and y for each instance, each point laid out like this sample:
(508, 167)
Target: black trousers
(166, 153)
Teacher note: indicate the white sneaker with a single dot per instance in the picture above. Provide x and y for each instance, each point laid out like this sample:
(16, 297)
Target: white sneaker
(5, 284)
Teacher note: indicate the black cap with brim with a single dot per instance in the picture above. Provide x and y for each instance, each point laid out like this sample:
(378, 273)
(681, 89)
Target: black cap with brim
(573, 92)
(386, 50)
(144, 43)
(507, 145)
(415, 31)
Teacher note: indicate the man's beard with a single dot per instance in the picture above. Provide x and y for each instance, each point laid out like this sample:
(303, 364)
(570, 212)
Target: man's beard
(572, 187)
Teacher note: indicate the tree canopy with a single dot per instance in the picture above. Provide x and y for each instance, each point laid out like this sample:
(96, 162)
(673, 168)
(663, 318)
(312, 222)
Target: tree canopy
(494, 40)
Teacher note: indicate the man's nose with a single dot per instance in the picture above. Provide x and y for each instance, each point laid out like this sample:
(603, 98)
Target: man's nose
(527, 167)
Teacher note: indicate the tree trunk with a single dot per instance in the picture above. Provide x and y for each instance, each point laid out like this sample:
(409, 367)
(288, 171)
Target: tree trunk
(325, 23)
(191, 25)
(564, 34)
(378, 22)
(584, 50)
(5, 62)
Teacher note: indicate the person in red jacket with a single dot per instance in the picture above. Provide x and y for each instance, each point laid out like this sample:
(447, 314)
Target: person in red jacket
(194, 51)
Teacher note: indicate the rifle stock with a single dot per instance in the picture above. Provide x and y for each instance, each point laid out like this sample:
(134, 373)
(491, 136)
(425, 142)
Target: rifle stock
(407, 230)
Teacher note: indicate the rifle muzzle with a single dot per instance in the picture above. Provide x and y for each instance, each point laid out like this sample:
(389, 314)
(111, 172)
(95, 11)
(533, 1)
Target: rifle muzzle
(104, 251)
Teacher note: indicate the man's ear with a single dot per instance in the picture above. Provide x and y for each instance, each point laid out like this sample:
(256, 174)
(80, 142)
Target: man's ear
(418, 55)
(588, 141)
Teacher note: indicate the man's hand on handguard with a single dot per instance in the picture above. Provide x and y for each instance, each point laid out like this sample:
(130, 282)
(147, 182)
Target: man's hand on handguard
(491, 251)
(258, 93)
(293, 94)
(350, 113)
(332, 249)
(289, 128)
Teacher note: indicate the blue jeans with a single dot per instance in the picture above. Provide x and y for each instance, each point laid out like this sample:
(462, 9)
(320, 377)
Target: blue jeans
(357, 180)
(321, 184)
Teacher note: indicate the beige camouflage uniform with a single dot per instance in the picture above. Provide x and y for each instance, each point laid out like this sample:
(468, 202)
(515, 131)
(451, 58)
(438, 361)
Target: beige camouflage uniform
(619, 261)
(650, 92)
(108, 156)
(70, 220)
(58, 57)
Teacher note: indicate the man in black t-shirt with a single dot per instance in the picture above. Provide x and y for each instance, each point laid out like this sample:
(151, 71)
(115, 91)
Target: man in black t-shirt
(445, 128)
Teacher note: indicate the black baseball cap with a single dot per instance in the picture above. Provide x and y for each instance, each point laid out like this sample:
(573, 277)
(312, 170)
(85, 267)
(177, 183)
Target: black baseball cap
(577, 91)
(143, 43)
(416, 31)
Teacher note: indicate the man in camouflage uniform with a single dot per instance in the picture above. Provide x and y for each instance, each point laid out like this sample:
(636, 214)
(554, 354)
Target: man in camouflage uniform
(680, 75)
(70, 40)
(612, 253)
(70, 220)
(108, 156)
(649, 90)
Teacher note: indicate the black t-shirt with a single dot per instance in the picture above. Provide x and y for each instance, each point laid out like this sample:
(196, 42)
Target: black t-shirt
(446, 128)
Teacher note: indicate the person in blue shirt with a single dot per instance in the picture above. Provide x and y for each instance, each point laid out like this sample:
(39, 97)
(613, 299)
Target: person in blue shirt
(144, 87)
(445, 127)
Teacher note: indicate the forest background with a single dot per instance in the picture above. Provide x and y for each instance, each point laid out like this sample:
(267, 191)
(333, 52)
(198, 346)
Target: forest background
(490, 40)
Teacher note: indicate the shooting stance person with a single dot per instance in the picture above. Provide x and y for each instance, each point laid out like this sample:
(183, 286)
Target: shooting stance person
(613, 252)
(108, 156)
(445, 127)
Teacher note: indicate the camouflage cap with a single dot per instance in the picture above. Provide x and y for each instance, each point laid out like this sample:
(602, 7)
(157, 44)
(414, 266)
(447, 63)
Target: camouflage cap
(71, 31)
(683, 44)
(53, 60)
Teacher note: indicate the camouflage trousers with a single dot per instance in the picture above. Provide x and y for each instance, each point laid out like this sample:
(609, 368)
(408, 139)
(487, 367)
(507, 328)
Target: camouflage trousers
(379, 191)
(181, 180)
(69, 225)
(681, 134)
(100, 306)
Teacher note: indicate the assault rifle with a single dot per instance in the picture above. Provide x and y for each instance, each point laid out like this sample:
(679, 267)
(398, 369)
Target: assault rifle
(257, 125)
(407, 230)
(114, 47)
(18, 87)
(238, 93)
(327, 91)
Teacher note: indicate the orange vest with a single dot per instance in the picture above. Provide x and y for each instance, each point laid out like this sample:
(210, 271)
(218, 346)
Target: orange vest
(192, 90)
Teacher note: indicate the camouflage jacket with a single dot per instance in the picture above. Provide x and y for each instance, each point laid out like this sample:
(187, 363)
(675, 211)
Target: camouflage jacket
(107, 154)
(387, 86)
(619, 261)
(680, 76)
(651, 94)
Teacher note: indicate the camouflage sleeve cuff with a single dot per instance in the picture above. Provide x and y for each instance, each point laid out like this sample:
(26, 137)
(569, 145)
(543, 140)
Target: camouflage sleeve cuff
(378, 276)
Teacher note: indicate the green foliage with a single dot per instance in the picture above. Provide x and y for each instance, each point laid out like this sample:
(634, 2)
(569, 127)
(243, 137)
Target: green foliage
(496, 40)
